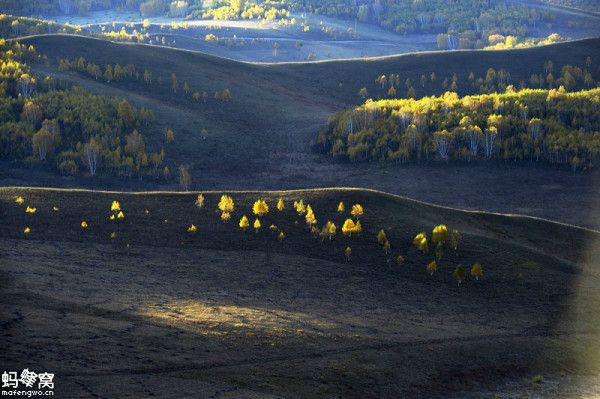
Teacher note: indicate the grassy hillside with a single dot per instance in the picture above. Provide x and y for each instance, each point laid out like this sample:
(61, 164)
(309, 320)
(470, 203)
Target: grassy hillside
(177, 313)
(275, 107)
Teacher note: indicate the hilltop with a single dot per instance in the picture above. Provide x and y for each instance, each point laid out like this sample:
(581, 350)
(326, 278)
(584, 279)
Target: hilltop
(245, 313)
(261, 138)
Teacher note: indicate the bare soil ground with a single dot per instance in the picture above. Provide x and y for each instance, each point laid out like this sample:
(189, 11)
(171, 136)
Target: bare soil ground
(222, 313)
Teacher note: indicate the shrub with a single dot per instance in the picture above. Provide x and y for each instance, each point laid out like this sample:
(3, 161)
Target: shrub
(68, 167)
(432, 267)
(459, 274)
(348, 253)
(476, 271)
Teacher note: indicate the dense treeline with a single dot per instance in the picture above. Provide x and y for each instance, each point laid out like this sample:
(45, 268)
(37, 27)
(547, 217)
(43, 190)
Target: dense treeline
(572, 77)
(552, 126)
(462, 24)
(43, 121)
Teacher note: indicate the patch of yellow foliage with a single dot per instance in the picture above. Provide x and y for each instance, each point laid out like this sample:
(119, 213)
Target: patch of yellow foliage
(350, 227)
(260, 208)
(440, 234)
(432, 267)
(244, 223)
(357, 210)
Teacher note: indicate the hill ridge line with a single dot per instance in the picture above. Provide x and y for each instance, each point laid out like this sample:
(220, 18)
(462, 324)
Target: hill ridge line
(301, 190)
(337, 60)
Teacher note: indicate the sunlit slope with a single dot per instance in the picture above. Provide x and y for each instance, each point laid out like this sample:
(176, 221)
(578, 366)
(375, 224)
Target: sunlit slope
(289, 317)
(503, 242)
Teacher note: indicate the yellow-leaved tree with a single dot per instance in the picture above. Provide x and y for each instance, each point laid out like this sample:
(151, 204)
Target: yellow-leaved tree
(440, 234)
(257, 225)
(476, 271)
(329, 230)
(200, 200)
(350, 227)
(357, 211)
(348, 253)
(244, 223)
(381, 237)
(341, 208)
(310, 217)
(421, 243)
(386, 246)
(300, 207)
(260, 208)
(432, 267)
(226, 206)
(115, 206)
(280, 205)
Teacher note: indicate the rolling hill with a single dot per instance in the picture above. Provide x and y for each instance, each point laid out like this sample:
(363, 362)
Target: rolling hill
(243, 314)
(261, 138)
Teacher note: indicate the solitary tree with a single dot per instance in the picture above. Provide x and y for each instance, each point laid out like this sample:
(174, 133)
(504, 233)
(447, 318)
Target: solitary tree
(420, 241)
(169, 135)
(340, 207)
(280, 205)
(440, 234)
(459, 274)
(257, 225)
(260, 208)
(185, 178)
(432, 267)
(381, 237)
(244, 223)
(455, 239)
(200, 201)
(476, 271)
(348, 253)
(357, 211)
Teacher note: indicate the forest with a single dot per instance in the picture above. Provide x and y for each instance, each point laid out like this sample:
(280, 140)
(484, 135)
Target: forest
(45, 121)
(552, 126)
